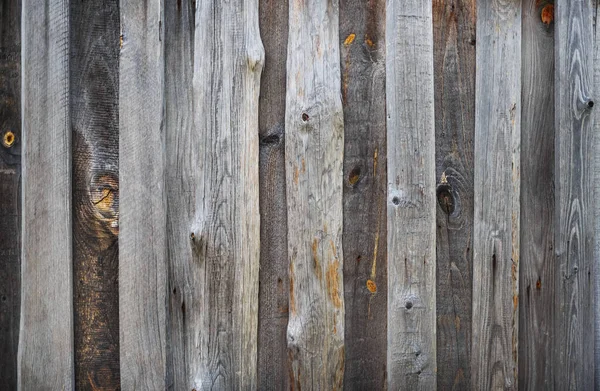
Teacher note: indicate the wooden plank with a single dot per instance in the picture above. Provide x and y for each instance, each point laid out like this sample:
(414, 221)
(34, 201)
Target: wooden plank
(574, 224)
(596, 132)
(212, 171)
(411, 353)
(45, 358)
(94, 70)
(314, 156)
(536, 275)
(10, 177)
(273, 307)
(454, 73)
(142, 216)
(497, 186)
(362, 47)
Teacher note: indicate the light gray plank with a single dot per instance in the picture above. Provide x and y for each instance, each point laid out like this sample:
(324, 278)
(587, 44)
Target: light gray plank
(45, 358)
(454, 24)
(574, 223)
(212, 171)
(596, 132)
(314, 155)
(536, 275)
(497, 186)
(411, 235)
(142, 216)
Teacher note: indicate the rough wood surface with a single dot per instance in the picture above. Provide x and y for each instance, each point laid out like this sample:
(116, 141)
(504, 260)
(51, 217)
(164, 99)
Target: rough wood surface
(362, 47)
(596, 132)
(273, 308)
(45, 358)
(314, 156)
(411, 235)
(536, 275)
(94, 70)
(10, 178)
(574, 224)
(497, 185)
(454, 69)
(212, 171)
(143, 203)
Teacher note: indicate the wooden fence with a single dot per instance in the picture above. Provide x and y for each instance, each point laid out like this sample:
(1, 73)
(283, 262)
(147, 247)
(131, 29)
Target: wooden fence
(302, 194)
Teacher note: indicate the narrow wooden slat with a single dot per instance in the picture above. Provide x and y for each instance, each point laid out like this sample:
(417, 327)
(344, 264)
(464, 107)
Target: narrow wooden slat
(142, 206)
(536, 276)
(574, 224)
(94, 71)
(454, 69)
(497, 185)
(314, 155)
(46, 336)
(362, 47)
(181, 143)
(596, 179)
(212, 171)
(274, 280)
(10, 177)
(411, 236)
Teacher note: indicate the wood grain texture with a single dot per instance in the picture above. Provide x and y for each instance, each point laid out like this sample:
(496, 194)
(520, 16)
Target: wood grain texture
(362, 47)
(142, 199)
(574, 224)
(94, 70)
(314, 157)
(536, 275)
(273, 308)
(596, 133)
(454, 25)
(45, 358)
(497, 187)
(212, 171)
(10, 179)
(411, 235)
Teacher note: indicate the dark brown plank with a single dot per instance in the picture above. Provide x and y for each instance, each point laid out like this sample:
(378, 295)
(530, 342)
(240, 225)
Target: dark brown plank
(274, 280)
(362, 48)
(574, 177)
(536, 277)
(10, 175)
(454, 64)
(94, 70)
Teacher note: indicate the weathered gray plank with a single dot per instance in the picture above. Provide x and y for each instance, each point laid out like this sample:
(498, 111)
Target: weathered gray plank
(212, 171)
(94, 71)
(362, 47)
(45, 358)
(536, 275)
(596, 133)
(10, 178)
(142, 209)
(454, 69)
(574, 224)
(411, 236)
(314, 154)
(273, 308)
(497, 186)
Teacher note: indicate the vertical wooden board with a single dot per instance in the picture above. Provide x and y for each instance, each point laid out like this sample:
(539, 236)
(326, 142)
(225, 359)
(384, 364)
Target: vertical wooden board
(181, 142)
(314, 156)
(454, 70)
(142, 215)
(411, 355)
(362, 47)
(497, 185)
(536, 275)
(45, 358)
(574, 227)
(273, 308)
(212, 171)
(10, 178)
(94, 70)
(596, 132)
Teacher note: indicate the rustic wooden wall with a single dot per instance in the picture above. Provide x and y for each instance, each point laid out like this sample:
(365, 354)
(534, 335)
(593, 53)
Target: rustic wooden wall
(270, 194)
